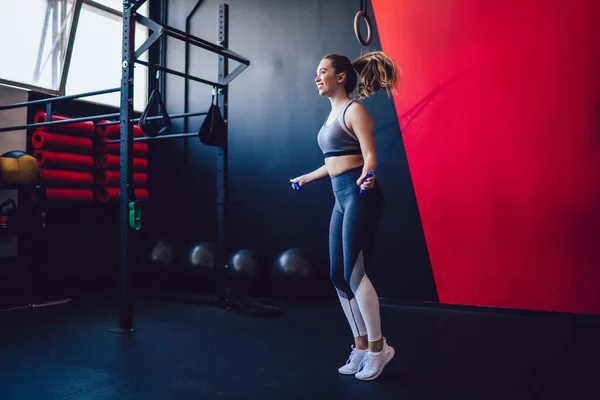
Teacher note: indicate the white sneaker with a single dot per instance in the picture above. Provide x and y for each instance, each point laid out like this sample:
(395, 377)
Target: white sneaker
(355, 359)
(372, 364)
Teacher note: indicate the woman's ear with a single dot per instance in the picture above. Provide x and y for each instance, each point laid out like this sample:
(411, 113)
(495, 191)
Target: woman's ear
(341, 77)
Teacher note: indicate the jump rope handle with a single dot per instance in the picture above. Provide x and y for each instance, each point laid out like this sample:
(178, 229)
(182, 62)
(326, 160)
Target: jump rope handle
(369, 174)
(296, 186)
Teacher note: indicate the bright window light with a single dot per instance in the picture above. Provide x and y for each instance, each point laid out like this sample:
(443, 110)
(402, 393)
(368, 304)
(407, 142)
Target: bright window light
(97, 54)
(35, 40)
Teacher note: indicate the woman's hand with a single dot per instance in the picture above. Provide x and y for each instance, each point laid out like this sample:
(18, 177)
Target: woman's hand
(300, 181)
(361, 123)
(317, 174)
(369, 183)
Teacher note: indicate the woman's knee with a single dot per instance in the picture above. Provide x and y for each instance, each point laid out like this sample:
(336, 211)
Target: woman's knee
(353, 277)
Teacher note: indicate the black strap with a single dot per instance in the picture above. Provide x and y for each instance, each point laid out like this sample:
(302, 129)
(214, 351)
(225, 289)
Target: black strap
(147, 126)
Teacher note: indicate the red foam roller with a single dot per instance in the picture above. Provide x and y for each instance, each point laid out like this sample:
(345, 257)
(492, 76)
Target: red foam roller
(110, 161)
(139, 149)
(62, 194)
(111, 178)
(114, 131)
(60, 142)
(106, 194)
(62, 178)
(86, 128)
(58, 160)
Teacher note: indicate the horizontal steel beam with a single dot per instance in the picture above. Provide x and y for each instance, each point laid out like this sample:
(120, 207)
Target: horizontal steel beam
(149, 138)
(174, 116)
(181, 74)
(60, 98)
(61, 122)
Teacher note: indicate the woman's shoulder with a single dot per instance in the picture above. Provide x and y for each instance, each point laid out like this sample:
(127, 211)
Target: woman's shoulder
(358, 118)
(357, 111)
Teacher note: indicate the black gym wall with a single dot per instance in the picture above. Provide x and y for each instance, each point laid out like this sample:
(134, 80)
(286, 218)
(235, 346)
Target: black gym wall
(275, 113)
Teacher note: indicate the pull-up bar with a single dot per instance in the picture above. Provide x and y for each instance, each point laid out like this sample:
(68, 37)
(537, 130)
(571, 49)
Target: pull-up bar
(196, 41)
(159, 29)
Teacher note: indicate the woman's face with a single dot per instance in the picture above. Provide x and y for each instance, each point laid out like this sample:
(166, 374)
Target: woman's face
(327, 80)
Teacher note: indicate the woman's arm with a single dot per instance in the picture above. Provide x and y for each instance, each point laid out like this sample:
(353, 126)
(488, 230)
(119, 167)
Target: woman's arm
(360, 122)
(318, 173)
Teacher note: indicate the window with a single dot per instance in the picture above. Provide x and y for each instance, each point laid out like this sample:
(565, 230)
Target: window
(97, 54)
(115, 4)
(35, 37)
(69, 47)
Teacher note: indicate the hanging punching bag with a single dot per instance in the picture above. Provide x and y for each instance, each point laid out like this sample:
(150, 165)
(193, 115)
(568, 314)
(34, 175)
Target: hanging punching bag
(213, 131)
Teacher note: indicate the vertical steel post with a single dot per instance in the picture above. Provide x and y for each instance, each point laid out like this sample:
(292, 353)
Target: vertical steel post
(126, 167)
(222, 153)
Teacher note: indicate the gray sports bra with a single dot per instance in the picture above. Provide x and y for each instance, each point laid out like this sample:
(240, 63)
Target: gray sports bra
(336, 139)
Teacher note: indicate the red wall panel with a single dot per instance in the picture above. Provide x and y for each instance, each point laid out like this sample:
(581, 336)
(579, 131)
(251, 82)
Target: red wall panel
(505, 161)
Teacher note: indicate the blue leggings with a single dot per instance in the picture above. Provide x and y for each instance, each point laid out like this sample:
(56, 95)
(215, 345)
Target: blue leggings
(352, 231)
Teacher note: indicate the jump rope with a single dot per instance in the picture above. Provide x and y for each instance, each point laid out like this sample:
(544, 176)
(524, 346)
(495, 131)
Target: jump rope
(416, 109)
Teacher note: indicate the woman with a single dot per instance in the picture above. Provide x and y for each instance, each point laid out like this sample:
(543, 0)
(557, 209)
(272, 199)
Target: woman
(347, 141)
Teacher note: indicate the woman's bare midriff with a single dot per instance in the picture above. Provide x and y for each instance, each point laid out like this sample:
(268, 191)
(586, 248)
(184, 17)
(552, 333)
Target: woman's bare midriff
(339, 164)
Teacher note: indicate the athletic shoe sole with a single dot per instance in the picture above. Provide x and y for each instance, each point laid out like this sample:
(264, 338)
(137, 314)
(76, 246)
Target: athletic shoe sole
(393, 352)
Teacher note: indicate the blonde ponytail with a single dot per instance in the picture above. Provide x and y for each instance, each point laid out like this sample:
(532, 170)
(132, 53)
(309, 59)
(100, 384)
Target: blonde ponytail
(376, 71)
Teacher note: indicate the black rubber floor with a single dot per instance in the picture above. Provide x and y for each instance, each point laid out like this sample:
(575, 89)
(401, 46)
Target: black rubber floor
(183, 351)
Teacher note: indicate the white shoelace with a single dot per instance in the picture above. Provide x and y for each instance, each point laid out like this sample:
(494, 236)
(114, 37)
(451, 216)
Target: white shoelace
(353, 354)
(368, 361)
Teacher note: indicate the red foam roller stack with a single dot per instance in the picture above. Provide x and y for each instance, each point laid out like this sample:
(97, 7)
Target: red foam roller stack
(64, 155)
(76, 165)
(108, 163)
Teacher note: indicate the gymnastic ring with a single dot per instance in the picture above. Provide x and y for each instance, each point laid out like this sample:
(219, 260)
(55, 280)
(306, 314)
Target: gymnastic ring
(359, 37)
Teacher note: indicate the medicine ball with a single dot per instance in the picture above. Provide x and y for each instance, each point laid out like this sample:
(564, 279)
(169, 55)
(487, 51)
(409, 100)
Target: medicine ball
(200, 266)
(247, 272)
(18, 168)
(294, 276)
